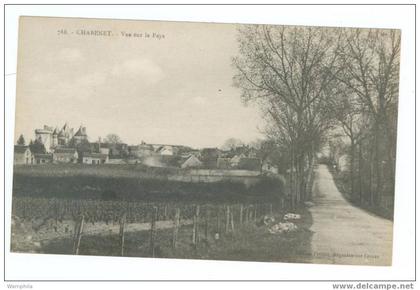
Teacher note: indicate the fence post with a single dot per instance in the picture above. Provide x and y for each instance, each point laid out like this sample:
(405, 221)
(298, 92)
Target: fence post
(206, 230)
(194, 229)
(255, 213)
(195, 234)
(176, 226)
(241, 210)
(122, 227)
(231, 222)
(218, 221)
(271, 209)
(227, 218)
(79, 235)
(153, 231)
(197, 231)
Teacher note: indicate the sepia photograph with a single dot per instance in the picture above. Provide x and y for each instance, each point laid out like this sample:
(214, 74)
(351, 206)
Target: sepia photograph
(211, 141)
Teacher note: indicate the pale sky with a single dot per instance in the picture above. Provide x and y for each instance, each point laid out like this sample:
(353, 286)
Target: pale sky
(176, 90)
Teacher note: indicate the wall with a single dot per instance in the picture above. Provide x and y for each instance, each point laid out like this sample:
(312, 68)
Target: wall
(246, 177)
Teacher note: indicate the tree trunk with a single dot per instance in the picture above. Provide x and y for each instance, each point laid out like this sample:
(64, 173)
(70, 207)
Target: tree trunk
(352, 175)
(360, 174)
(378, 164)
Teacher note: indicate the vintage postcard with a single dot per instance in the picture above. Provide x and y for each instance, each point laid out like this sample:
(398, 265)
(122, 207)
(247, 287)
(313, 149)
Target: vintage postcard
(205, 141)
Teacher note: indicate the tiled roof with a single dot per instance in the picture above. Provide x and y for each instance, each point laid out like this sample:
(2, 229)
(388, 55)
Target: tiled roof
(80, 132)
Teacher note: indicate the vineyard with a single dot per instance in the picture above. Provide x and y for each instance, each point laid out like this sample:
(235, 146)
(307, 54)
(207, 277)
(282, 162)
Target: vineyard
(132, 228)
(133, 211)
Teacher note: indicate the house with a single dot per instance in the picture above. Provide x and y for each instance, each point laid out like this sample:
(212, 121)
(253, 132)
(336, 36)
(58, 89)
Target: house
(94, 158)
(209, 157)
(23, 155)
(192, 162)
(248, 163)
(43, 158)
(252, 152)
(234, 161)
(167, 150)
(65, 155)
(139, 151)
(113, 150)
(99, 147)
(223, 163)
(116, 150)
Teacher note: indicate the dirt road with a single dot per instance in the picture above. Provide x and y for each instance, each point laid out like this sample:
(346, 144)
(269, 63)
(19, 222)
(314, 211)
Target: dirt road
(344, 234)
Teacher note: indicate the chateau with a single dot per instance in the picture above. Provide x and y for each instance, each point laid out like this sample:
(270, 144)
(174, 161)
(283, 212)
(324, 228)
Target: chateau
(53, 138)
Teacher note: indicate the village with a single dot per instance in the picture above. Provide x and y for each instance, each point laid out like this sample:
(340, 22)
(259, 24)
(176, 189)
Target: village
(66, 145)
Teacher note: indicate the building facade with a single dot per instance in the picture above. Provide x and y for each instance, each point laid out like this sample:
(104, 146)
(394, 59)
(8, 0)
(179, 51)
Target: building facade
(23, 155)
(65, 155)
(94, 158)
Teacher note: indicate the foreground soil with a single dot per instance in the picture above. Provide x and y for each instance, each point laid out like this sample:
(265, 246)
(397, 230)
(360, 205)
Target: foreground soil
(250, 241)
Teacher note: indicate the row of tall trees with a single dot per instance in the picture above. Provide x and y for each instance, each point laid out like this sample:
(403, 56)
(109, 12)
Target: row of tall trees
(367, 112)
(317, 84)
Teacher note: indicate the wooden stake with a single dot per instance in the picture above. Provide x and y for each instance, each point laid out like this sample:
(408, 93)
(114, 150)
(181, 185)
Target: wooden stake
(79, 235)
(218, 221)
(197, 231)
(231, 222)
(176, 227)
(206, 229)
(255, 213)
(227, 219)
(241, 211)
(122, 226)
(153, 231)
(194, 229)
